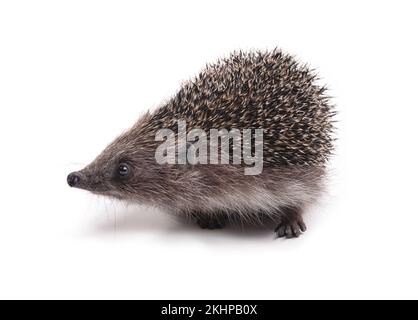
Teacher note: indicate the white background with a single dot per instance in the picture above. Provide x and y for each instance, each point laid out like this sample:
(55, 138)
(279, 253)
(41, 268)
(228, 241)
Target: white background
(74, 74)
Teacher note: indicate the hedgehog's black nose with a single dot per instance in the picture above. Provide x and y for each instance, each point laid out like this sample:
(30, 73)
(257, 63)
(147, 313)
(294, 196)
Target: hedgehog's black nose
(73, 179)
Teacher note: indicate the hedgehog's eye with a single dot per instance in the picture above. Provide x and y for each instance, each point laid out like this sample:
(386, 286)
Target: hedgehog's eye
(123, 170)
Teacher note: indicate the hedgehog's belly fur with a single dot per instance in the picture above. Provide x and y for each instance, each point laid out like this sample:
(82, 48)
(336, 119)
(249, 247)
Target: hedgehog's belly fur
(259, 199)
(249, 197)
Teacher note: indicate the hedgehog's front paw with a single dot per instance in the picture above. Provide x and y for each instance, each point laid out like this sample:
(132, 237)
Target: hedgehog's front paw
(211, 223)
(290, 229)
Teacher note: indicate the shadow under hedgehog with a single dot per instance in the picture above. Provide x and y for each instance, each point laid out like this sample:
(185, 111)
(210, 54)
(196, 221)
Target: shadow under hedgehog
(255, 90)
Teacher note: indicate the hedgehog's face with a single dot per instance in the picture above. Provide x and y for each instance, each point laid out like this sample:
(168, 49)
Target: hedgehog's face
(122, 170)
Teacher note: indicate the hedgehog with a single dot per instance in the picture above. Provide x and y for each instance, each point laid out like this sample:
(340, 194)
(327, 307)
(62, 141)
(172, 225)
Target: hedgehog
(265, 91)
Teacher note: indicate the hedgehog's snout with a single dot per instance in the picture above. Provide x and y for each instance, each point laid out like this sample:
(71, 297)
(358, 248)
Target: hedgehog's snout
(74, 179)
(87, 181)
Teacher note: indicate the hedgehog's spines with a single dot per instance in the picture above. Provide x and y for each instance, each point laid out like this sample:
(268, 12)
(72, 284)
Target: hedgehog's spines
(269, 90)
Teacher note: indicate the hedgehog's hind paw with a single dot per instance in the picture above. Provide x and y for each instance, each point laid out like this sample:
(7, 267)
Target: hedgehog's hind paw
(291, 228)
